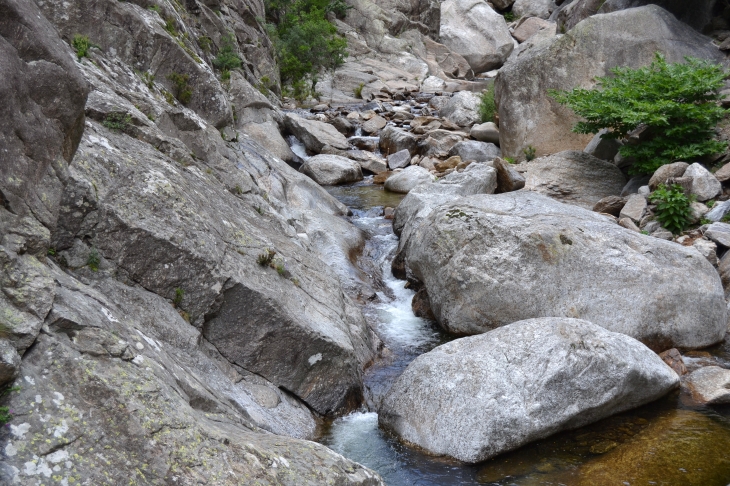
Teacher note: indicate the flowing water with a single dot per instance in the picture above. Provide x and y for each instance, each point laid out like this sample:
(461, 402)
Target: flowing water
(669, 442)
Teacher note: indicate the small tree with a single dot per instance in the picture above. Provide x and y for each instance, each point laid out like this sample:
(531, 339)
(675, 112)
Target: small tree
(677, 103)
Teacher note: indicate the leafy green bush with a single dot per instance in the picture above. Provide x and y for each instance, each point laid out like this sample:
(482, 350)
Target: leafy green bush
(676, 102)
(305, 41)
(81, 45)
(227, 59)
(672, 207)
(182, 90)
(117, 121)
(487, 107)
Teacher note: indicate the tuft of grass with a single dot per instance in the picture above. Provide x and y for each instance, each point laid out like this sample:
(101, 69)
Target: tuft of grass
(170, 26)
(182, 90)
(81, 45)
(529, 152)
(154, 8)
(265, 258)
(179, 296)
(205, 42)
(509, 17)
(358, 90)
(487, 106)
(509, 159)
(93, 260)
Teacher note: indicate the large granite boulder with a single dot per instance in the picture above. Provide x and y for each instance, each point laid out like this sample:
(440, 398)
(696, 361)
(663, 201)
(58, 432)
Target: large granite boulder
(487, 261)
(394, 139)
(527, 113)
(475, 151)
(315, 135)
(479, 396)
(473, 30)
(574, 177)
(403, 182)
(330, 170)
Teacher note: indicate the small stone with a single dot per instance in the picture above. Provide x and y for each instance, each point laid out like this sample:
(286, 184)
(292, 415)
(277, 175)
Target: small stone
(399, 160)
(374, 124)
(704, 185)
(723, 174)
(382, 177)
(697, 211)
(485, 132)
(644, 191)
(508, 179)
(388, 213)
(718, 211)
(663, 234)
(449, 163)
(710, 385)
(634, 208)
(610, 205)
(707, 248)
(719, 233)
(628, 224)
(660, 176)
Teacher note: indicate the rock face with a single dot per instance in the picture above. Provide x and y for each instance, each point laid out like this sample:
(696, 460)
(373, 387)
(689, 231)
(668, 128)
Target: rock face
(574, 177)
(315, 135)
(410, 177)
(529, 116)
(479, 255)
(330, 170)
(480, 396)
(473, 30)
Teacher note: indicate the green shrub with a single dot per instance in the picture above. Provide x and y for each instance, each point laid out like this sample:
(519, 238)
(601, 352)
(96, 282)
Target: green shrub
(672, 207)
(154, 8)
(93, 260)
(117, 121)
(179, 296)
(677, 103)
(182, 90)
(305, 42)
(227, 58)
(509, 17)
(487, 107)
(529, 152)
(170, 26)
(205, 42)
(81, 45)
(149, 79)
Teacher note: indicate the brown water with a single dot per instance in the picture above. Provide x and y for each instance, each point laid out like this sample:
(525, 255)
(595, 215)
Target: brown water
(670, 442)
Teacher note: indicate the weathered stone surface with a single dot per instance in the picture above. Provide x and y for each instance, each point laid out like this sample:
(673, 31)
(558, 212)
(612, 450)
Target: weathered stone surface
(602, 148)
(529, 116)
(634, 208)
(420, 305)
(696, 14)
(697, 211)
(479, 396)
(410, 177)
(719, 233)
(710, 385)
(447, 164)
(393, 139)
(574, 177)
(707, 249)
(368, 161)
(704, 184)
(462, 109)
(9, 362)
(531, 24)
(315, 135)
(508, 179)
(610, 205)
(533, 8)
(674, 360)
(723, 174)
(485, 132)
(561, 260)
(476, 151)
(718, 211)
(476, 32)
(634, 184)
(400, 159)
(268, 136)
(665, 172)
(330, 170)
(374, 124)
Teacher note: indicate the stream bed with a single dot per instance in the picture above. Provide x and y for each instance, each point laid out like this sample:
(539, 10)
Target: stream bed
(669, 442)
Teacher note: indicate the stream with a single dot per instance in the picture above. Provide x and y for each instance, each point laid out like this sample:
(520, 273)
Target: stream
(669, 442)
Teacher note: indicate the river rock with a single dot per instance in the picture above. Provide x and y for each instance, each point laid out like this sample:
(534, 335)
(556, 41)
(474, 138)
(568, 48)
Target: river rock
(710, 385)
(480, 396)
(707, 249)
(666, 172)
(574, 177)
(480, 254)
(473, 30)
(527, 113)
(330, 170)
(476, 151)
(374, 124)
(704, 184)
(539, 9)
(393, 139)
(410, 177)
(723, 173)
(718, 211)
(610, 205)
(485, 132)
(719, 233)
(399, 160)
(634, 208)
(673, 359)
(462, 109)
(315, 135)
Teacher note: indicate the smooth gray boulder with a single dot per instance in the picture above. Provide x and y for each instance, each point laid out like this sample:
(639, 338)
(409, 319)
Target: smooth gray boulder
(473, 30)
(315, 135)
(528, 115)
(718, 211)
(476, 151)
(574, 177)
(410, 177)
(462, 109)
(710, 385)
(485, 132)
(704, 184)
(480, 396)
(400, 159)
(330, 170)
(634, 208)
(394, 139)
(480, 254)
